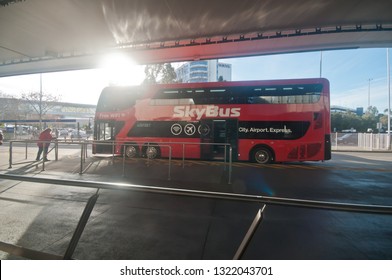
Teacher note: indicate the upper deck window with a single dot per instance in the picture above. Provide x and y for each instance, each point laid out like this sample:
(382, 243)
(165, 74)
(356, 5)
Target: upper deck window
(286, 94)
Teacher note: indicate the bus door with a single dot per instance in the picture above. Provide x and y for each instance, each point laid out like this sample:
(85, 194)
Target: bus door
(105, 132)
(218, 132)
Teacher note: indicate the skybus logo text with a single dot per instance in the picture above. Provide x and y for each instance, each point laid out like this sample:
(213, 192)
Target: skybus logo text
(208, 111)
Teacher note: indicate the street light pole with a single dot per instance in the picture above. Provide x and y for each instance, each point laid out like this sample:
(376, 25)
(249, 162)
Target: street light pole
(370, 79)
(321, 63)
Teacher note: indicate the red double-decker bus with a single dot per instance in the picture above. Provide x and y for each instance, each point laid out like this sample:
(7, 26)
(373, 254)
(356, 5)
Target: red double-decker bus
(262, 121)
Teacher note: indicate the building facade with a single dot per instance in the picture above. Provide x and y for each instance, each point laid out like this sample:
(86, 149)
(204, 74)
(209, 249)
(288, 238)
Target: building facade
(203, 71)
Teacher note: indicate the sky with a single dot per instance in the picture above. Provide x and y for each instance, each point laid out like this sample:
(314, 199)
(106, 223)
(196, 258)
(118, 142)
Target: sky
(348, 71)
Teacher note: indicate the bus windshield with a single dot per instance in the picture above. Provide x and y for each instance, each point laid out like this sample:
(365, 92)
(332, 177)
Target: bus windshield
(114, 99)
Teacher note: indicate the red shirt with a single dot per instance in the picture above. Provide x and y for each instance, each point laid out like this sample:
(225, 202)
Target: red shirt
(44, 136)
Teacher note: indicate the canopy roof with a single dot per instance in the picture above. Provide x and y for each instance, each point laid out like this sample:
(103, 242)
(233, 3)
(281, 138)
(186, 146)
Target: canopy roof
(55, 35)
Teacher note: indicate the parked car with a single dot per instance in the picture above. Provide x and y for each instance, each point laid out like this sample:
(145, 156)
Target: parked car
(81, 135)
(348, 139)
(63, 132)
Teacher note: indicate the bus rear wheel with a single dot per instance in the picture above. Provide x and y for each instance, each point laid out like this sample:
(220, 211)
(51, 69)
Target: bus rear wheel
(262, 155)
(131, 151)
(152, 152)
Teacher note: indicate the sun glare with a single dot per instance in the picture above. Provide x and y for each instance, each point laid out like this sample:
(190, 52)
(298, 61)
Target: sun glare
(121, 70)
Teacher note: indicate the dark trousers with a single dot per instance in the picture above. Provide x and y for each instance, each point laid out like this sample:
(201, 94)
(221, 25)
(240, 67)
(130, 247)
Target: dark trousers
(40, 150)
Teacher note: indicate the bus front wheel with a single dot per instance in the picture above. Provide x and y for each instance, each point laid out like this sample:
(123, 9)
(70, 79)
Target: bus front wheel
(262, 155)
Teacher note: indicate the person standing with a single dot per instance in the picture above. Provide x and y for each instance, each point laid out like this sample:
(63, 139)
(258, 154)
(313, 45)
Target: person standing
(43, 145)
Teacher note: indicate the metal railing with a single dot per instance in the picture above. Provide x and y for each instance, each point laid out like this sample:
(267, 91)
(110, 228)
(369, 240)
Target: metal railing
(263, 200)
(148, 158)
(170, 145)
(84, 147)
(361, 141)
(55, 148)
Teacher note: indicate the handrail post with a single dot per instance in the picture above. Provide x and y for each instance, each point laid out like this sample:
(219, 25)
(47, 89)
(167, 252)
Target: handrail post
(113, 152)
(26, 150)
(56, 149)
(81, 225)
(148, 158)
(10, 156)
(81, 159)
(85, 151)
(45, 153)
(183, 155)
(224, 157)
(230, 162)
(123, 152)
(249, 234)
(170, 156)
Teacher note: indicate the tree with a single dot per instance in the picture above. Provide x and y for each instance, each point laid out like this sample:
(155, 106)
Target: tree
(169, 75)
(341, 121)
(372, 111)
(159, 73)
(40, 103)
(152, 72)
(9, 107)
(384, 119)
(347, 120)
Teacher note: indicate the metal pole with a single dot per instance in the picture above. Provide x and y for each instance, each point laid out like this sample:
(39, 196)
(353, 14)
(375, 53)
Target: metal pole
(321, 63)
(148, 158)
(56, 150)
(81, 159)
(10, 157)
(282, 201)
(85, 152)
(251, 231)
(26, 151)
(124, 149)
(230, 161)
(370, 79)
(183, 155)
(112, 152)
(44, 157)
(81, 225)
(389, 101)
(224, 157)
(170, 156)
